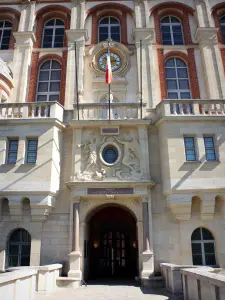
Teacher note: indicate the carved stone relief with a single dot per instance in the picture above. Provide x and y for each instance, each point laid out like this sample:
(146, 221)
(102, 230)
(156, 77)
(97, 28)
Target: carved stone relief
(126, 167)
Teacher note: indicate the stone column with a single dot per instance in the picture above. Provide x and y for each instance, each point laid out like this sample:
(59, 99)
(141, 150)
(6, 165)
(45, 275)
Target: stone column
(75, 255)
(149, 70)
(21, 62)
(147, 255)
(212, 62)
(79, 36)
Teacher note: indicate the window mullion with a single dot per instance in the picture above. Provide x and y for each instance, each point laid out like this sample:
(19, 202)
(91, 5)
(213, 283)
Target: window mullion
(203, 252)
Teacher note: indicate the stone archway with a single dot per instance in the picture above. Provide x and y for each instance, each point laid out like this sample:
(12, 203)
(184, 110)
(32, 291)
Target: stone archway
(112, 247)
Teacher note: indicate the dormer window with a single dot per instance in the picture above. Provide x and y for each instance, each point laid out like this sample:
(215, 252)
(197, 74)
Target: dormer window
(109, 27)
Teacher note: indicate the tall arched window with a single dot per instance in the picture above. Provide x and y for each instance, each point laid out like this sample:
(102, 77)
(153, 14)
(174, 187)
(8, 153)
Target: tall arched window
(222, 24)
(177, 79)
(53, 34)
(109, 27)
(5, 34)
(203, 247)
(172, 33)
(19, 248)
(49, 77)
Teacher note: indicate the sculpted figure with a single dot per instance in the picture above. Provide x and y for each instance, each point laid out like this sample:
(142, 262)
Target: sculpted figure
(91, 148)
(131, 150)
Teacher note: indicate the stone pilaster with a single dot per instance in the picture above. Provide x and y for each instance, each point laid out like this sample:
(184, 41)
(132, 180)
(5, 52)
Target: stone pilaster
(212, 62)
(78, 36)
(15, 209)
(203, 13)
(75, 255)
(76, 157)
(147, 255)
(143, 140)
(21, 62)
(145, 62)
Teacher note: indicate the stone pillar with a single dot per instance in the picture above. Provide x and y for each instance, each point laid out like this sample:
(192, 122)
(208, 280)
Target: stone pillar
(149, 70)
(147, 255)
(21, 62)
(79, 36)
(75, 255)
(212, 62)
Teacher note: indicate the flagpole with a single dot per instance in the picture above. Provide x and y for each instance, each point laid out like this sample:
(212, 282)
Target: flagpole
(109, 83)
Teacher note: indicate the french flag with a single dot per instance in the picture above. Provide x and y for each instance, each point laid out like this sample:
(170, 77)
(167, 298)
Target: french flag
(108, 74)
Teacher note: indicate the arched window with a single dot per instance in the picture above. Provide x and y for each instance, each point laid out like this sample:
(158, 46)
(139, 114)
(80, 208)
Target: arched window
(5, 34)
(49, 77)
(53, 34)
(222, 24)
(203, 247)
(109, 27)
(177, 79)
(172, 33)
(19, 248)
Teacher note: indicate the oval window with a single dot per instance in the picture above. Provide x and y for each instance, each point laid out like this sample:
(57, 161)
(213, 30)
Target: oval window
(110, 154)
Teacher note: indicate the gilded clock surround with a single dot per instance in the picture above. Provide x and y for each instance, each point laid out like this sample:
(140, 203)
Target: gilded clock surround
(118, 49)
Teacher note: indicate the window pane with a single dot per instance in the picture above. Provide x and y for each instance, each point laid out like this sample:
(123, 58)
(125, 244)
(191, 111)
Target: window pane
(13, 249)
(210, 155)
(103, 30)
(50, 23)
(54, 86)
(43, 87)
(180, 63)
(45, 65)
(208, 142)
(115, 37)
(190, 155)
(165, 20)
(104, 21)
(210, 260)
(103, 37)
(113, 21)
(115, 29)
(185, 95)
(183, 84)
(177, 29)
(174, 20)
(170, 62)
(209, 248)
(182, 73)
(59, 31)
(44, 75)
(170, 73)
(56, 65)
(54, 97)
(171, 84)
(166, 37)
(165, 29)
(56, 75)
(189, 142)
(196, 248)
(59, 22)
(197, 260)
(41, 98)
(172, 95)
(32, 144)
(48, 31)
(207, 235)
(12, 158)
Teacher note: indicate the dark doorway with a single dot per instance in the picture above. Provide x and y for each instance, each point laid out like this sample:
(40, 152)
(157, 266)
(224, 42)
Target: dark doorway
(112, 248)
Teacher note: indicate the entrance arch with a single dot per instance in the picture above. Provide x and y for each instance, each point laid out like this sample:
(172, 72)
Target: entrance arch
(112, 249)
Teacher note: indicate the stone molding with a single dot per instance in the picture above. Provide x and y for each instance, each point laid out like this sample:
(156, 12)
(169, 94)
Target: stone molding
(207, 36)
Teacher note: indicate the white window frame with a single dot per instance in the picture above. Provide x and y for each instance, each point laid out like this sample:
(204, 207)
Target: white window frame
(48, 93)
(203, 242)
(109, 26)
(3, 29)
(8, 150)
(178, 91)
(54, 27)
(170, 25)
(27, 144)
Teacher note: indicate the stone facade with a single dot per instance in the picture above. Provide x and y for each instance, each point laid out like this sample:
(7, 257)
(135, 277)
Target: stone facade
(168, 196)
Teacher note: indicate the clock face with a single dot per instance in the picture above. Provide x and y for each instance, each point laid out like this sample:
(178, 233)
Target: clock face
(115, 61)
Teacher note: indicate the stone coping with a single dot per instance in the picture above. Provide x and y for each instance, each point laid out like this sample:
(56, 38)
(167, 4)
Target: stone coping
(18, 274)
(206, 274)
(38, 268)
(174, 267)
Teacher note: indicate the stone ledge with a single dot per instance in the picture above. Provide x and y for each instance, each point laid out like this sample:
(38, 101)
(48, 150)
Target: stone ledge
(18, 274)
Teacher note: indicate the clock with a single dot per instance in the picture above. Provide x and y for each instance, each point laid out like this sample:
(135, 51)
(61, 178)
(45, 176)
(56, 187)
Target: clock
(115, 61)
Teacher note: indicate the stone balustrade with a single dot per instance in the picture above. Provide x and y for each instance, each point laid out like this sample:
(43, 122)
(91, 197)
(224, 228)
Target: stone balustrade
(100, 111)
(199, 284)
(26, 281)
(20, 284)
(190, 108)
(173, 278)
(31, 110)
